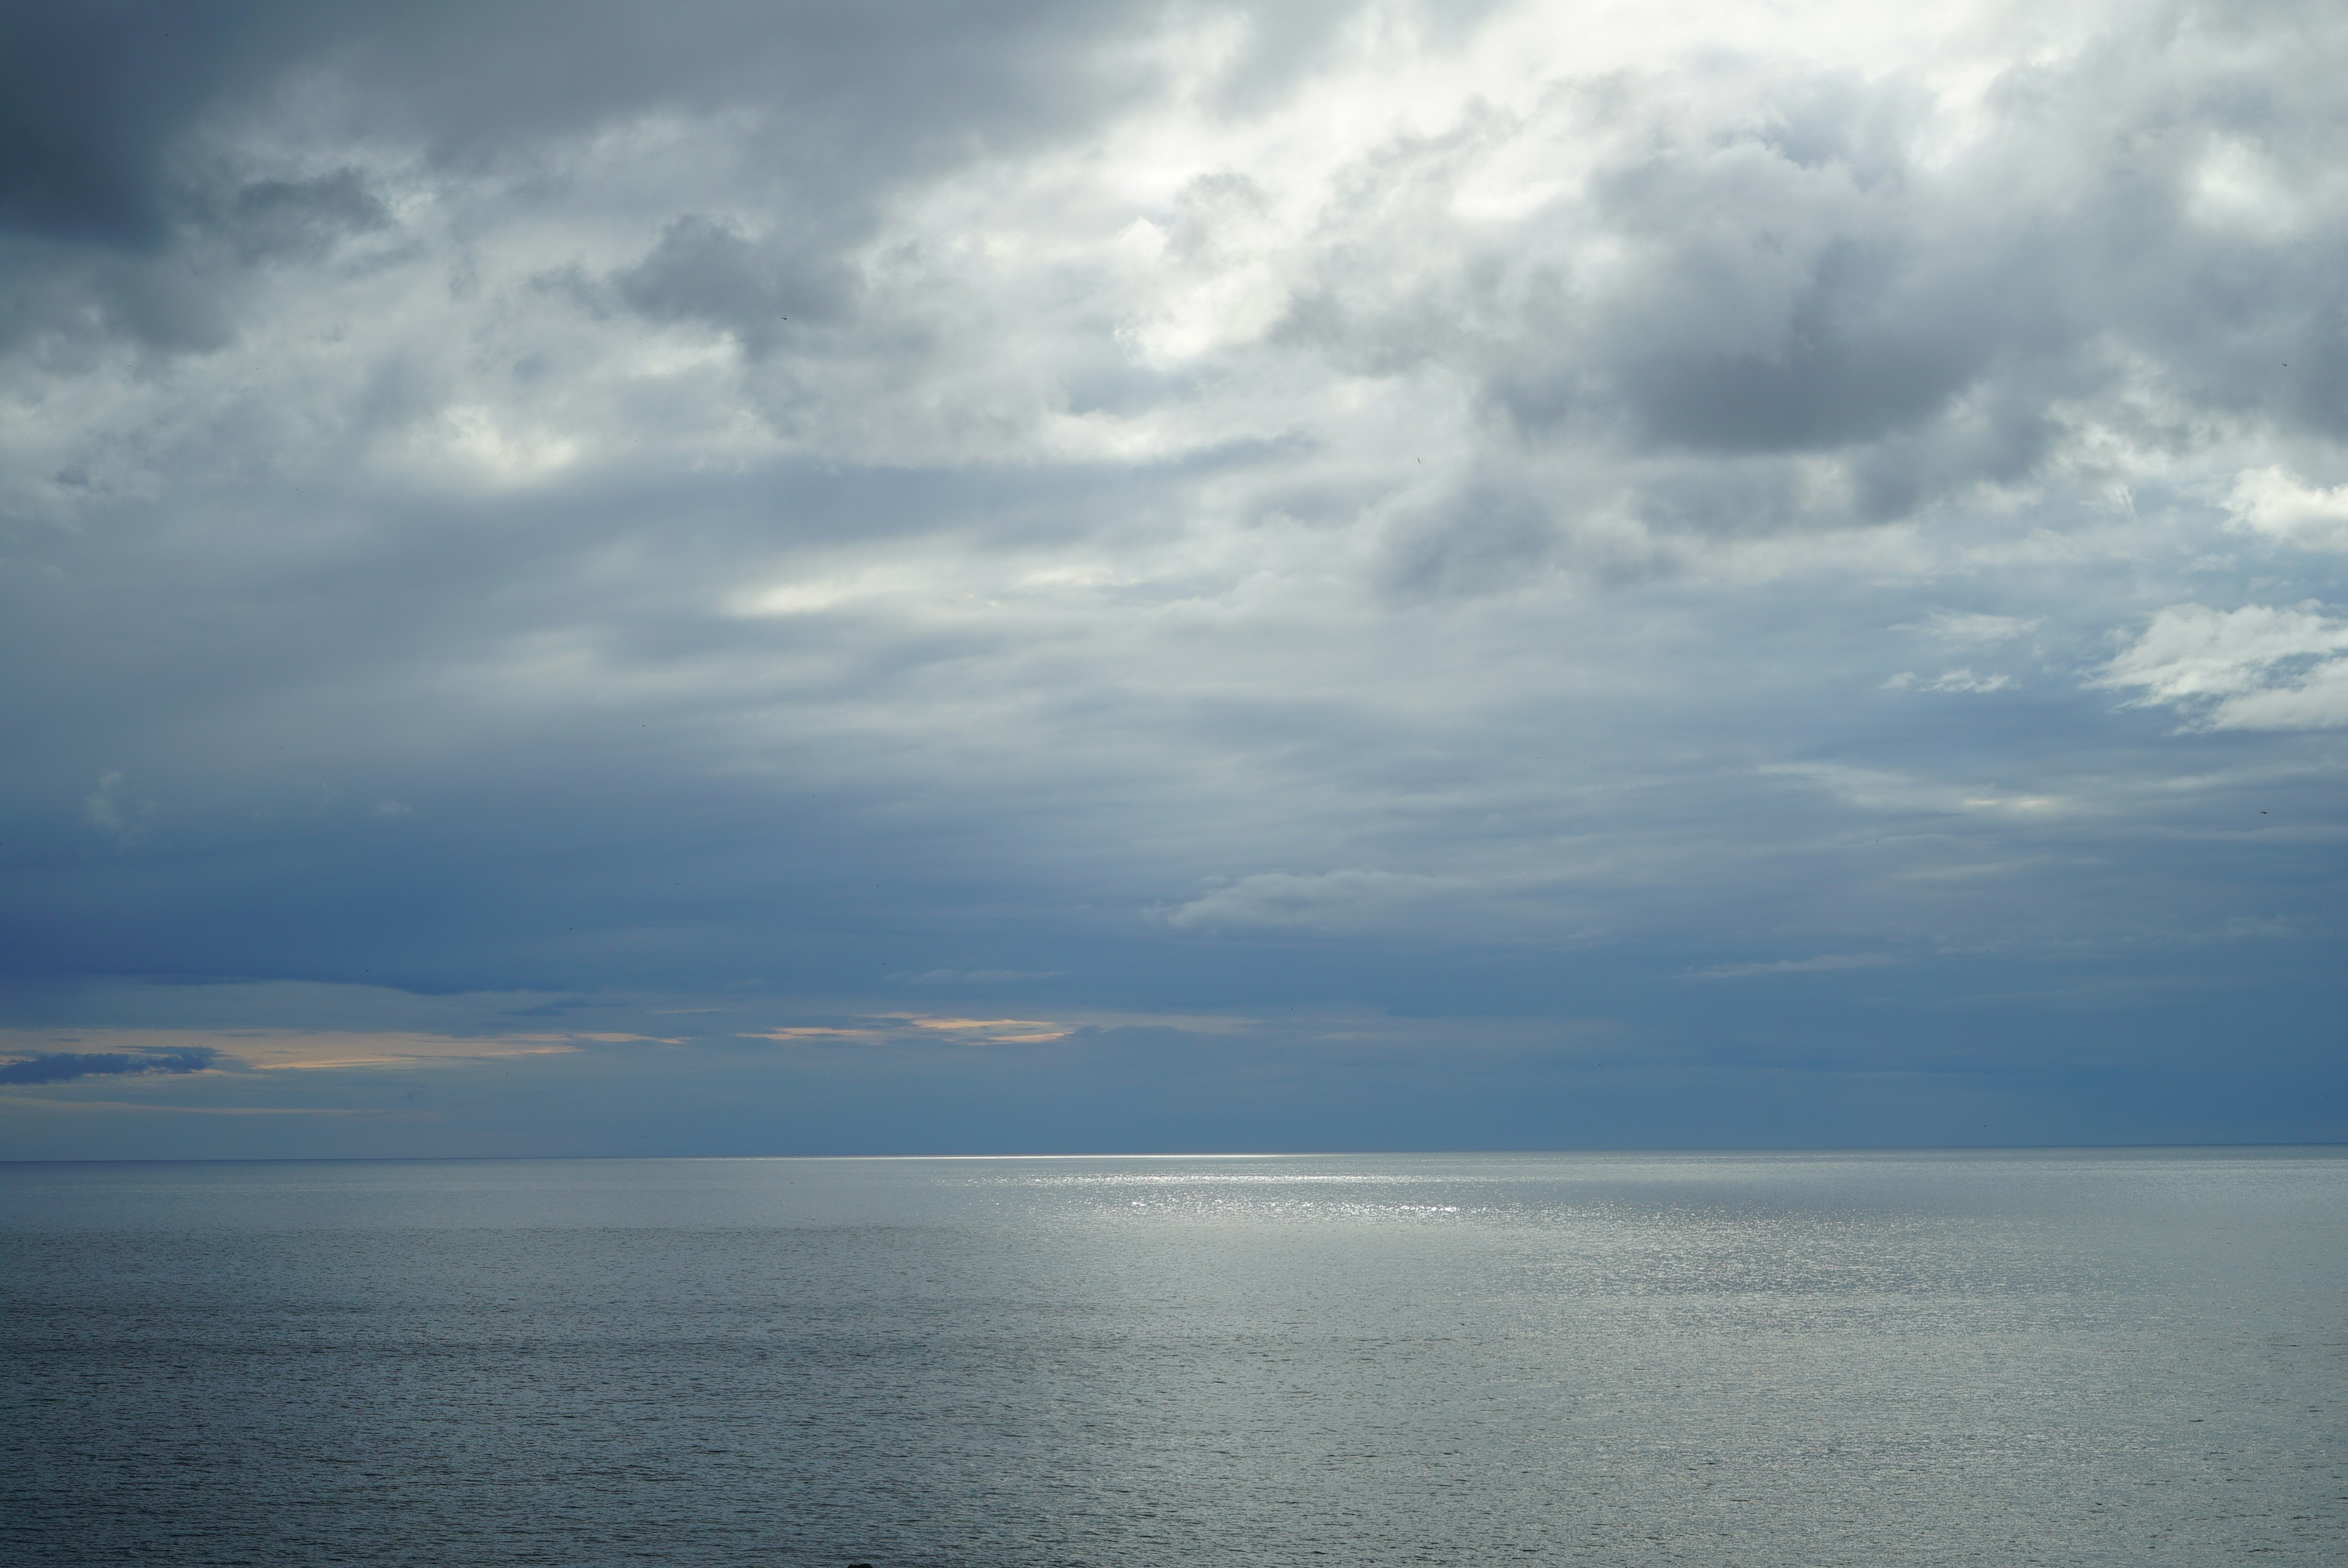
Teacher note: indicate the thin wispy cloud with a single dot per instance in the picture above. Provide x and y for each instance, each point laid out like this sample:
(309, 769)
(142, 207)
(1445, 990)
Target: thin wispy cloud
(1823, 963)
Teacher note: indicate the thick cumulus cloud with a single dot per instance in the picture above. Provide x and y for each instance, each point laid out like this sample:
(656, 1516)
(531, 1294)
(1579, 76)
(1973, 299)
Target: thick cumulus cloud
(1513, 510)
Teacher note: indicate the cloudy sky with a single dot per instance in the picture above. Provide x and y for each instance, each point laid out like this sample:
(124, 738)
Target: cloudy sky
(764, 578)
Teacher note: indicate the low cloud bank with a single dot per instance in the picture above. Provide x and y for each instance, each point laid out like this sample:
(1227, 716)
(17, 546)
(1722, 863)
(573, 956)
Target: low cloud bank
(59, 1066)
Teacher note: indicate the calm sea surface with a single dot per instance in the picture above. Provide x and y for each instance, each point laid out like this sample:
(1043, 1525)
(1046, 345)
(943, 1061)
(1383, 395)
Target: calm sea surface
(1749, 1359)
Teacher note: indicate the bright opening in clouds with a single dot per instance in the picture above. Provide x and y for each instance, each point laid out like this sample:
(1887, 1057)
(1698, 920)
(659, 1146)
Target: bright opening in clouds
(729, 578)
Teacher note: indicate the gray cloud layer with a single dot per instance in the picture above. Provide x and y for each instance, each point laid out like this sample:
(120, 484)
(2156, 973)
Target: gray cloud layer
(1493, 515)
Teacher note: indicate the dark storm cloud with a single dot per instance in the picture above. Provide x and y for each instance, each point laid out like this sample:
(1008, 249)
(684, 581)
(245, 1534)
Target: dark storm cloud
(95, 99)
(102, 99)
(62, 1066)
(127, 158)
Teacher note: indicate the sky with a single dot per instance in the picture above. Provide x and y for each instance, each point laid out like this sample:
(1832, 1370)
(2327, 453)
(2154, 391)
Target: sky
(769, 579)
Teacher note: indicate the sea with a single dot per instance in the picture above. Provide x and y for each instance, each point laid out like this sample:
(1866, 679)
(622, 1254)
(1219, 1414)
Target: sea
(1752, 1359)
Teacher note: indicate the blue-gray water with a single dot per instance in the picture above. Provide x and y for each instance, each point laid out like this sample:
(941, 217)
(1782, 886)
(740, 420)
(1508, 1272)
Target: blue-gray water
(1731, 1359)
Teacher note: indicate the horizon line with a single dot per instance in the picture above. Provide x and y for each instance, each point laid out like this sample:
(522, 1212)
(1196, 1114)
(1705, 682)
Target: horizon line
(1823, 1149)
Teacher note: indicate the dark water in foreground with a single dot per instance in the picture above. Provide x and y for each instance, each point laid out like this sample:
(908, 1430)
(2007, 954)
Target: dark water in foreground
(1770, 1359)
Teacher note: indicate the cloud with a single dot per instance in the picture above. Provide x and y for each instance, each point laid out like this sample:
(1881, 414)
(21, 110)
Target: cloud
(1825, 963)
(703, 271)
(1959, 680)
(947, 977)
(61, 1067)
(2256, 668)
(1481, 541)
(97, 97)
(1974, 629)
(2276, 503)
(269, 1050)
(902, 1029)
(112, 809)
(1344, 900)
(303, 219)
(1392, 507)
(991, 1031)
(1894, 793)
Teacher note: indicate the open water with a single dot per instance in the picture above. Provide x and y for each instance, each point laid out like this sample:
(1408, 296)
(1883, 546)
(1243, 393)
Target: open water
(1719, 1359)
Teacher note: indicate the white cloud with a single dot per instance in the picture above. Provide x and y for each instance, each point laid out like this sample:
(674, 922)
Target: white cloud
(899, 1028)
(1895, 793)
(2256, 668)
(2235, 188)
(1959, 680)
(2276, 503)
